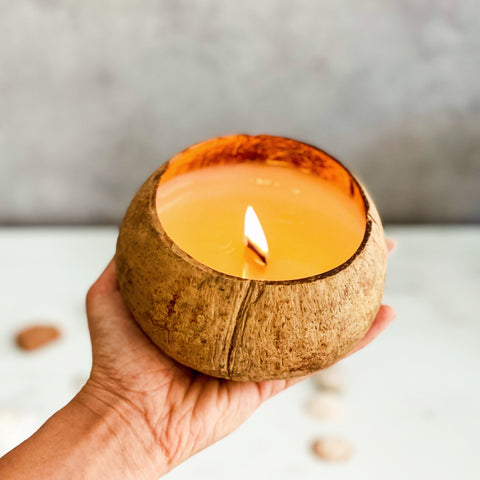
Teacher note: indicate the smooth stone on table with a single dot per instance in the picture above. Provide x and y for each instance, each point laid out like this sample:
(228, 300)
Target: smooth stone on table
(244, 329)
(326, 406)
(36, 336)
(332, 379)
(332, 448)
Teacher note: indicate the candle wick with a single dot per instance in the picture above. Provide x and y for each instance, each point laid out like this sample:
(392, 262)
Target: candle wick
(260, 257)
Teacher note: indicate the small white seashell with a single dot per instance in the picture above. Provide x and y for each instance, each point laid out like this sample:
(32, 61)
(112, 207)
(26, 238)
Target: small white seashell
(332, 378)
(332, 448)
(326, 406)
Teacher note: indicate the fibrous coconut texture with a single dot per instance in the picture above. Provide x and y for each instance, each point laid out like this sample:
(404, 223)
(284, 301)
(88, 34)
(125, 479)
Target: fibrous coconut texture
(237, 328)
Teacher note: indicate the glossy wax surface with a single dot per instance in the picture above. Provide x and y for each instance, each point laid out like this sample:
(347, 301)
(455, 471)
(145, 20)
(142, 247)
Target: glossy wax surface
(310, 225)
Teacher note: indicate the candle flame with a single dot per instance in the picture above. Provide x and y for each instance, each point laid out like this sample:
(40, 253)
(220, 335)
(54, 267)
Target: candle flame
(254, 237)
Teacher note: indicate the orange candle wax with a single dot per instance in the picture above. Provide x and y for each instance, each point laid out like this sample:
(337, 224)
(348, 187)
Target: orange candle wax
(309, 224)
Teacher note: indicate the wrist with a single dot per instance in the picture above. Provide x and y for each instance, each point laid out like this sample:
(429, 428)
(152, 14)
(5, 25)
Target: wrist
(95, 436)
(123, 431)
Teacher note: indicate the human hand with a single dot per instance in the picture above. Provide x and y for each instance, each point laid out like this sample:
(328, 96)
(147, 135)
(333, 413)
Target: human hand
(173, 410)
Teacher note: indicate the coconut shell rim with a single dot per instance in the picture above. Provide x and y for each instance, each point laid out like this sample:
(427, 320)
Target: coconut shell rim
(183, 255)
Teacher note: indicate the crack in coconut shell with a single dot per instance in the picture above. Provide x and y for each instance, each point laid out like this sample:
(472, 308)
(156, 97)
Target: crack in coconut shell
(239, 322)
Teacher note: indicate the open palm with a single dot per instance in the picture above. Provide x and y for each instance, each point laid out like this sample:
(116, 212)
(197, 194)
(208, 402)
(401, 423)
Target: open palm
(184, 411)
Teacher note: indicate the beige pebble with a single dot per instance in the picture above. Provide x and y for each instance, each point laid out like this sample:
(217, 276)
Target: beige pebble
(332, 378)
(332, 448)
(326, 406)
(391, 244)
(36, 336)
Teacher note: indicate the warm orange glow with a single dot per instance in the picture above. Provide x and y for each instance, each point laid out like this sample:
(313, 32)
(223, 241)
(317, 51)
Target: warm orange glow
(311, 225)
(254, 236)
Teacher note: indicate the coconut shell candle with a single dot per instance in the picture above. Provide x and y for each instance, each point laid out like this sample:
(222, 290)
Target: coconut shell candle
(252, 258)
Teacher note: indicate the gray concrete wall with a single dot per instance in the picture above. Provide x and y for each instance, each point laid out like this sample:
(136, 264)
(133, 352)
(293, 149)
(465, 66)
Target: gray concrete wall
(94, 95)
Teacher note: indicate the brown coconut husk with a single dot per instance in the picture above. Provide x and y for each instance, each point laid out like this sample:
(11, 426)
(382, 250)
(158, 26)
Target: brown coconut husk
(244, 329)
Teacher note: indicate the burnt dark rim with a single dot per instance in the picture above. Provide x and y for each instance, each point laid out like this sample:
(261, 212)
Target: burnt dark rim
(312, 278)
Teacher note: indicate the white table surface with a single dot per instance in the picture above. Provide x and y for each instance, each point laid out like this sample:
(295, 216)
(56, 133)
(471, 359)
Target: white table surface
(413, 398)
